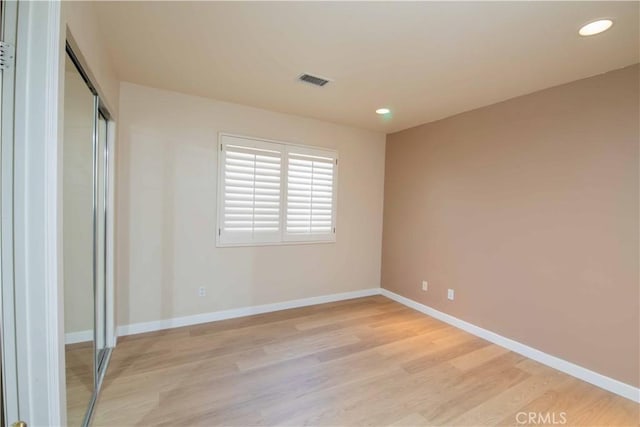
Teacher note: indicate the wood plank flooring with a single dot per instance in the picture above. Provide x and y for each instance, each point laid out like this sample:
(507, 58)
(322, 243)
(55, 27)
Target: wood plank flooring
(369, 361)
(79, 373)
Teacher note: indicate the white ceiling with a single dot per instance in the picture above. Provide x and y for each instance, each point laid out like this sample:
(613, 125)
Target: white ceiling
(425, 60)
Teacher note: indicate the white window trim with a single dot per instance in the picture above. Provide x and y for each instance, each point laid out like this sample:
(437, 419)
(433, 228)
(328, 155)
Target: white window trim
(284, 238)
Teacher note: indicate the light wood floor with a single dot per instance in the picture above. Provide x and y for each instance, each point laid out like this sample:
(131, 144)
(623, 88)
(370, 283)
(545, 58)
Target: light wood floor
(79, 373)
(368, 361)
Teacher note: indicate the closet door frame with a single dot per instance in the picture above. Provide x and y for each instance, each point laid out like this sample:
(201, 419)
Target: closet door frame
(103, 109)
(70, 45)
(36, 270)
(100, 359)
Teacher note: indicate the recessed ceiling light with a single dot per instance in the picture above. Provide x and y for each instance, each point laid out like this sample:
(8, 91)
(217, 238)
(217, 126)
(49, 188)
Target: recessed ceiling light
(383, 111)
(595, 27)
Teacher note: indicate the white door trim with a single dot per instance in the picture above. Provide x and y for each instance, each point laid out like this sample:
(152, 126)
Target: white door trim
(37, 226)
(7, 309)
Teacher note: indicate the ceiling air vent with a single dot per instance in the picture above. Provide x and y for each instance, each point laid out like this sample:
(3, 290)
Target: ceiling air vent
(314, 80)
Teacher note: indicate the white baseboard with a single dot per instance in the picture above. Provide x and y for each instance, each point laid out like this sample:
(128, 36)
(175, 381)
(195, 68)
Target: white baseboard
(602, 381)
(157, 325)
(76, 337)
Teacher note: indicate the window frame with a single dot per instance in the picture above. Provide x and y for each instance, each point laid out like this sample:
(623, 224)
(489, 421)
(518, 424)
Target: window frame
(284, 237)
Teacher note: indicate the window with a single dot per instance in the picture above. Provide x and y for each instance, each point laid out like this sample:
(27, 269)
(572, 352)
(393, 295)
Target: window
(273, 193)
(309, 195)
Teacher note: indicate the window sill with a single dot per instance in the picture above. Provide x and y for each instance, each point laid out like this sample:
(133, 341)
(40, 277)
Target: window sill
(286, 243)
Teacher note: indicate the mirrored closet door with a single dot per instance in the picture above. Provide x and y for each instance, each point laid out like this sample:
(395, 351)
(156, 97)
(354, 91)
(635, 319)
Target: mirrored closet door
(85, 210)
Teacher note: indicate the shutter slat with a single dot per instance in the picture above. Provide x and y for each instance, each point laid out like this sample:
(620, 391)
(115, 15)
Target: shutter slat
(237, 210)
(251, 191)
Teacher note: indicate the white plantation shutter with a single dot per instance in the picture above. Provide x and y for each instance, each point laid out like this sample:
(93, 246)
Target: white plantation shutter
(270, 192)
(310, 194)
(251, 191)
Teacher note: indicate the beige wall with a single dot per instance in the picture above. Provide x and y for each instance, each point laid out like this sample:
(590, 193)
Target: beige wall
(167, 211)
(529, 210)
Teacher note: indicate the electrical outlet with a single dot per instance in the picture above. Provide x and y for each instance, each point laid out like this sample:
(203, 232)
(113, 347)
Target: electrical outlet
(425, 285)
(202, 291)
(451, 294)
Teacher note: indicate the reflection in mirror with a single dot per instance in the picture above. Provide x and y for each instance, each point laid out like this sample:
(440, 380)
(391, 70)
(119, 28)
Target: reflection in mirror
(78, 242)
